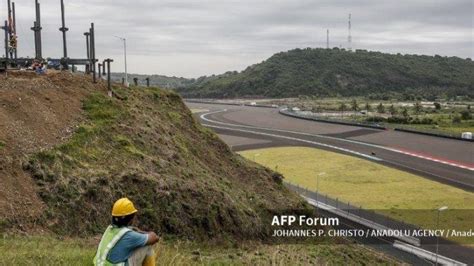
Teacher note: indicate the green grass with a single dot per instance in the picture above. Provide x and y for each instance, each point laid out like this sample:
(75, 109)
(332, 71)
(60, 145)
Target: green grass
(47, 250)
(370, 185)
(2, 144)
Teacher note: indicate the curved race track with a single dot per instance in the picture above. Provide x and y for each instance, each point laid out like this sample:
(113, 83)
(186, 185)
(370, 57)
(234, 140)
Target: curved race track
(243, 127)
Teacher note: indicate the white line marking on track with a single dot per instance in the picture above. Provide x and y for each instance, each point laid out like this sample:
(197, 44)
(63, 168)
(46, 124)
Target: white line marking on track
(203, 117)
(300, 140)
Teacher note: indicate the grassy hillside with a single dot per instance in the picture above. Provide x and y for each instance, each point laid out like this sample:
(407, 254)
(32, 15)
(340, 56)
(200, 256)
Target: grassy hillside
(74, 151)
(336, 72)
(146, 145)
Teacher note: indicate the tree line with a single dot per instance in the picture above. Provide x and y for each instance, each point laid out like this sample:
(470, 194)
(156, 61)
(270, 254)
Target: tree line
(337, 72)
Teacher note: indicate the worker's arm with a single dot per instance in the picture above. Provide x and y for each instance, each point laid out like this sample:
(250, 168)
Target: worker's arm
(152, 238)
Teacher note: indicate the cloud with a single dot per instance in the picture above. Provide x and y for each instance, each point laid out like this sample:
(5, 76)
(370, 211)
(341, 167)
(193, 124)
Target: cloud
(202, 37)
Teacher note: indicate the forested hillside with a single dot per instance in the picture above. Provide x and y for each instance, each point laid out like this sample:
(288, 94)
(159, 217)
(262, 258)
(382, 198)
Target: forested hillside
(336, 72)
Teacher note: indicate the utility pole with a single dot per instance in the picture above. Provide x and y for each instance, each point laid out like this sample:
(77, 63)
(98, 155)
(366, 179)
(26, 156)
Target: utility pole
(63, 29)
(125, 58)
(327, 39)
(349, 37)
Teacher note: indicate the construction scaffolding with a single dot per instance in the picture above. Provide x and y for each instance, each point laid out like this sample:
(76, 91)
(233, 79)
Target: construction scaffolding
(10, 61)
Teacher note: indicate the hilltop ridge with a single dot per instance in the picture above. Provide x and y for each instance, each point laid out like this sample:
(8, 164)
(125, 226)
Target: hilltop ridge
(337, 72)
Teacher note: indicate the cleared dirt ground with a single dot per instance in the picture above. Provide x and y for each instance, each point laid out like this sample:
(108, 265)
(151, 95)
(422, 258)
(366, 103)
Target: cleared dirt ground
(36, 112)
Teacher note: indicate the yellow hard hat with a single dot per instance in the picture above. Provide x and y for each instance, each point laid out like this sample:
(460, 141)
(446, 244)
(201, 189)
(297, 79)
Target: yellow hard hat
(123, 207)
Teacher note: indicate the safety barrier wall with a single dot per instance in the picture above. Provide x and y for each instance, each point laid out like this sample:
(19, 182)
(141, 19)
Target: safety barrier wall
(223, 103)
(379, 126)
(332, 121)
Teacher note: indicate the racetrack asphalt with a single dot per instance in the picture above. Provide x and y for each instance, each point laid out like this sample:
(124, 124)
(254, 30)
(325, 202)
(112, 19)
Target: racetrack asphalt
(444, 160)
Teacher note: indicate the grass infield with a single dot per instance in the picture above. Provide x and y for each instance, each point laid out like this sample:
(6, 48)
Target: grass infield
(399, 194)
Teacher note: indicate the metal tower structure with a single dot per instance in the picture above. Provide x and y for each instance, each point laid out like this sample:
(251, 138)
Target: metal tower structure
(349, 37)
(10, 61)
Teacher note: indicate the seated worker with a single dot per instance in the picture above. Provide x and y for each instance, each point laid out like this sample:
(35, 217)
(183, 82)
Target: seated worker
(122, 244)
(41, 70)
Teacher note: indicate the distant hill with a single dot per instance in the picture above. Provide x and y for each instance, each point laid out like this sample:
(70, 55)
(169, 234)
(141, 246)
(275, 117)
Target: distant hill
(336, 72)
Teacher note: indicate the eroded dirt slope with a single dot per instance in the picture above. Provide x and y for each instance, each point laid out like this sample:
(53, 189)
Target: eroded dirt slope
(70, 150)
(36, 112)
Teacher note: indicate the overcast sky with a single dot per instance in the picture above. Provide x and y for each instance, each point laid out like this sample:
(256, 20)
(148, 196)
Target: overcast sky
(202, 37)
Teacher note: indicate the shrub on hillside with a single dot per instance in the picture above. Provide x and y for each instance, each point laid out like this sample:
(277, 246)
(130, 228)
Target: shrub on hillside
(466, 115)
(398, 120)
(376, 119)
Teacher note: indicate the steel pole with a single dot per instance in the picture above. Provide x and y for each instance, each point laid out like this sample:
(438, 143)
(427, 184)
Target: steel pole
(14, 32)
(38, 24)
(109, 83)
(92, 39)
(125, 55)
(36, 38)
(10, 29)
(63, 29)
(437, 238)
(87, 34)
(5, 28)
